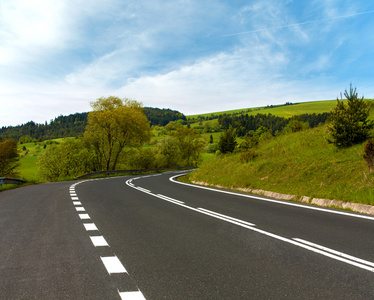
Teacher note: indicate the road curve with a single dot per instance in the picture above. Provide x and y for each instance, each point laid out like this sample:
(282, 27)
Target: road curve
(147, 237)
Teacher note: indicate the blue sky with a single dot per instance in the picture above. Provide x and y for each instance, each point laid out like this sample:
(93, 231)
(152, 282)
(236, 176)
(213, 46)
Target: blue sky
(194, 56)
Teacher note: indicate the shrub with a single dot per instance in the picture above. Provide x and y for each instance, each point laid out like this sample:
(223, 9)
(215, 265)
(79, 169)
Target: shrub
(248, 155)
(369, 153)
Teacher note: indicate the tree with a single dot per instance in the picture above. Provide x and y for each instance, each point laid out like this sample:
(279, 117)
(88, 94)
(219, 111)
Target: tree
(189, 144)
(349, 123)
(227, 141)
(113, 125)
(68, 159)
(8, 157)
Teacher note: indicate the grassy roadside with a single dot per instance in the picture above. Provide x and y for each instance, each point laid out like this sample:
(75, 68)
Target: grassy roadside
(301, 164)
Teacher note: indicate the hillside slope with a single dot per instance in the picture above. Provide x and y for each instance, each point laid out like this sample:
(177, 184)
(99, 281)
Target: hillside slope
(301, 163)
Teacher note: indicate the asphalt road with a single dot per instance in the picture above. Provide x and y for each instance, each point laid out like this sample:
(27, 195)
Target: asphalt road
(147, 237)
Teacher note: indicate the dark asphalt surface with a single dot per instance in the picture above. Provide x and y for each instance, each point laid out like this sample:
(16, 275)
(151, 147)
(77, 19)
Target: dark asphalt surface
(174, 252)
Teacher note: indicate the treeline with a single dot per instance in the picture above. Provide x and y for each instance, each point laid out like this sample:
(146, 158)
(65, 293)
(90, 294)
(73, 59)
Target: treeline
(74, 125)
(246, 123)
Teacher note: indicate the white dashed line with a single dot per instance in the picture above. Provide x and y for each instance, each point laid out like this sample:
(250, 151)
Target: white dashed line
(84, 216)
(98, 241)
(113, 264)
(131, 295)
(90, 226)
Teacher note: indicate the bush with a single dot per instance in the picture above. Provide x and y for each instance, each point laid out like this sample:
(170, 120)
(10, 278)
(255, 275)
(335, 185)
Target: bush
(247, 155)
(142, 159)
(369, 153)
(8, 157)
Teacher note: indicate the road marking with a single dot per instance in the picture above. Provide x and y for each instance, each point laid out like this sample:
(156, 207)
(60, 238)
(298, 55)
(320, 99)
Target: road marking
(131, 295)
(337, 253)
(90, 226)
(98, 241)
(296, 242)
(113, 264)
(143, 190)
(169, 199)
(172, 179)
(226, 217)
(84, 216)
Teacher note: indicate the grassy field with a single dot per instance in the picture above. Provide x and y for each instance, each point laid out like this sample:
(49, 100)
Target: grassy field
(301, 164)
(282, 111)
(29, 153)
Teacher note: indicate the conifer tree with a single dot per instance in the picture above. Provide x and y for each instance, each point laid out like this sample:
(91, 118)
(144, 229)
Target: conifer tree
(349, 123)
(227, 141)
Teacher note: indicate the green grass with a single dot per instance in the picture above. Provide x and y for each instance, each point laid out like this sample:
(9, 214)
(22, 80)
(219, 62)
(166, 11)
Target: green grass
(27, 169)
(281, 111)
(301, 164)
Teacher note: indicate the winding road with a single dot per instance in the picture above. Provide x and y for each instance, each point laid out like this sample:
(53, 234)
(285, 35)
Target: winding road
(152, 237)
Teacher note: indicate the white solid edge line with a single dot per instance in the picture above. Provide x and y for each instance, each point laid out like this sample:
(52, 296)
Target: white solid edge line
(278, 237)
(272, 200)
(356, 259)
(113, 264)
(136, 295)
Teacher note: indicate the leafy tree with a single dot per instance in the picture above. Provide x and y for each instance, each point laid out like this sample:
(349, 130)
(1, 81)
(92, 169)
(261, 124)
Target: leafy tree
(113, 125)
(227, 141)
(143, 159)
(68, 159)
(8, 157)
(349, 123)
(189, 144)
(168, 153)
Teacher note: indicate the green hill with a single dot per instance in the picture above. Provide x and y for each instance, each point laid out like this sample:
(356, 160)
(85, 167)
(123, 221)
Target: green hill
(285, 110)
(301, 164)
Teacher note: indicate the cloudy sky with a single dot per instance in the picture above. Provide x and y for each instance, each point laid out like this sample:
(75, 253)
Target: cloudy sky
(195, 56)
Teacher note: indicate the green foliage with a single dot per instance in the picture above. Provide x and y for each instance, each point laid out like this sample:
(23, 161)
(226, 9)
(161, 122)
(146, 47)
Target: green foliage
(369, 153)
(248, 155)
(227, 141)
(8, 158)
(168, 153)
(189, 144)
(142, 159)
(299, 164)
(181, 148)
(349, 123)
(295, 125)
(66, 160)
(113, 125)
(74, 125)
